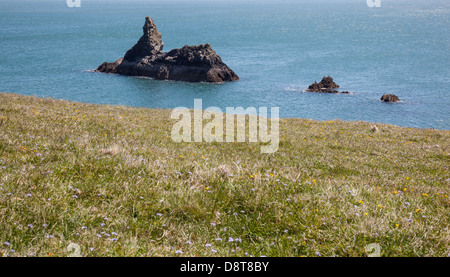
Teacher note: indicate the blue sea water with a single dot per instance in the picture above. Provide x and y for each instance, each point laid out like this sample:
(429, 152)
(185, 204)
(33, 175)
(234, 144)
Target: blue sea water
(277, 48)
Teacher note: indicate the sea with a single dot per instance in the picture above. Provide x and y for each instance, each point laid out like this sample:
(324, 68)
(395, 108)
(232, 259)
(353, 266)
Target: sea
(48, 48)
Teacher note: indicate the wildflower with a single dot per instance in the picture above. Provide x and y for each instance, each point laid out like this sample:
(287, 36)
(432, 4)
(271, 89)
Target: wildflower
(318, 254)
(230, 239)
(188, 242)
(7, 243)
(237, 240)
(208, 245)
(178, 252)
(213, 250)
(395, 192)
(424, 194)
(218, 239)
(213, 224)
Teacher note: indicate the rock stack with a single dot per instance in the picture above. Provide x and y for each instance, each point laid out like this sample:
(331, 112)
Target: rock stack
(198, 63)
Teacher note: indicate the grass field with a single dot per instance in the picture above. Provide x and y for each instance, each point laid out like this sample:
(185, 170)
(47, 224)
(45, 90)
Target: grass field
(98, 180)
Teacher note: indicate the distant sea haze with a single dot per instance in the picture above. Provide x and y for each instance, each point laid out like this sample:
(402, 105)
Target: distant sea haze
(277, 48)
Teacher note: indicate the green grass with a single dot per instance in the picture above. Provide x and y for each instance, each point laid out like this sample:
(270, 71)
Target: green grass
(111, 180)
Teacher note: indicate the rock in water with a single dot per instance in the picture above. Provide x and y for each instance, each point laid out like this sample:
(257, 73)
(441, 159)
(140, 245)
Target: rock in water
(326, 85)
(198, 63)
(390, 98)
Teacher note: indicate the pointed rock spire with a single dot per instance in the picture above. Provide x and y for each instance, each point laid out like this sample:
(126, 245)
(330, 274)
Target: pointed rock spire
(149, 44)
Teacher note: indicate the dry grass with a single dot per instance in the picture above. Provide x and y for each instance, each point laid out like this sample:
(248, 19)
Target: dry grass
(110, 179)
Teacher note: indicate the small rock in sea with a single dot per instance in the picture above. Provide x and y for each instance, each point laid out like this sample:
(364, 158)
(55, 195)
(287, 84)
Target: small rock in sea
(326, 85)
(390, 98)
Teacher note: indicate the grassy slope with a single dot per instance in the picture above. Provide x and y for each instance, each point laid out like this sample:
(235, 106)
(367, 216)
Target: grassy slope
(111, 180)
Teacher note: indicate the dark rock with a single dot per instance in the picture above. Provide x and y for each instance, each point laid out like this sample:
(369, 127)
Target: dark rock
(327, 85)
(109, 67)
(198, 63)
(150, 44)
(390, 98)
